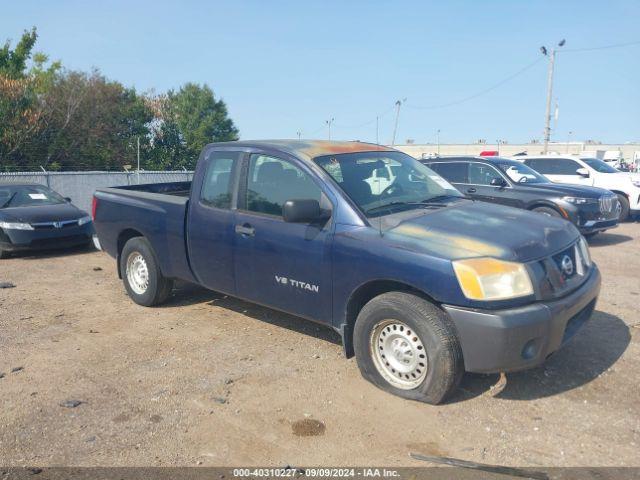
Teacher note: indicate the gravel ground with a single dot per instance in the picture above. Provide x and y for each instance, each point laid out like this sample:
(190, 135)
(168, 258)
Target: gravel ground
(91, 379)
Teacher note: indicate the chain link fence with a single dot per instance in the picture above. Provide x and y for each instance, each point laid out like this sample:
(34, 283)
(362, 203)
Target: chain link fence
(79, 186)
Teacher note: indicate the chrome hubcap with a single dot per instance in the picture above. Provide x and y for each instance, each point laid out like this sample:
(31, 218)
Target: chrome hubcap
(137, 273)
(398, 354)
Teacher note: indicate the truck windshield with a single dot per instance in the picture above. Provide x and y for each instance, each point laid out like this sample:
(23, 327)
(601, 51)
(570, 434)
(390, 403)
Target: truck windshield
(381, 183)
(520, 173)
(599, 166)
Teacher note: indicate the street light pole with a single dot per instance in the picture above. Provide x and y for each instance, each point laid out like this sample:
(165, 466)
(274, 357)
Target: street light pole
(329, 122)
(547, 120)
(395, 127)
(138, 148)
(438, 140)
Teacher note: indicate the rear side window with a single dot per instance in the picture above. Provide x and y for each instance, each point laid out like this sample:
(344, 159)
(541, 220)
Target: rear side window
(272, 181)
(216, 187)
(454, 172)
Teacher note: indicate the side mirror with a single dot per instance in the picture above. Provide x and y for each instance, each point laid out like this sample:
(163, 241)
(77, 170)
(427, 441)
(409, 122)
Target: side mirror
(301, 211)
(67, 199)
(583, 172)
(498, 182)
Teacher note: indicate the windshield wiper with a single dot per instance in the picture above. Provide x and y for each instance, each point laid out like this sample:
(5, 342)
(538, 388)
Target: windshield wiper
(9, 200)
(438, 200)
(396, 204)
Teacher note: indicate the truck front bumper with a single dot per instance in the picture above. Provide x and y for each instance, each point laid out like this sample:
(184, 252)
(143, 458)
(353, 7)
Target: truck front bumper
(520, 338)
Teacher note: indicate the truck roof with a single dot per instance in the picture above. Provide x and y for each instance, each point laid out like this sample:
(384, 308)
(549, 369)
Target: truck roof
(311, 148)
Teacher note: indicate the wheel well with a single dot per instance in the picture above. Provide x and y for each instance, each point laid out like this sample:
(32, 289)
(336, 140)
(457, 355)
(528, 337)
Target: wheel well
(359, 299)
(540, 204)
(618, 192)
(123, 238)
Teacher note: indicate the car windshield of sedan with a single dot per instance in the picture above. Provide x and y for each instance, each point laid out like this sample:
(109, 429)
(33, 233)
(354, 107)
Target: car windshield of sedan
(599, 166)
(520, 173)
(381, 183)
(27, 196)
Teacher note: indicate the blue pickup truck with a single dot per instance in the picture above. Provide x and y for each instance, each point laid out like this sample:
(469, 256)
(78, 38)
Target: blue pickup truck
(422, 283)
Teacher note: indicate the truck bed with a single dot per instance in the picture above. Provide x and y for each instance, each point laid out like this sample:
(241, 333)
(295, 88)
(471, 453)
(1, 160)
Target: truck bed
(156, 211)
(179, 189)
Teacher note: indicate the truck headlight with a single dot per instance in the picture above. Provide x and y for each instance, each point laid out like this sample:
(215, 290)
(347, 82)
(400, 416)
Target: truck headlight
(84, 220)
(579, 200)
(584, 251)
(15, 226)
(492, 279)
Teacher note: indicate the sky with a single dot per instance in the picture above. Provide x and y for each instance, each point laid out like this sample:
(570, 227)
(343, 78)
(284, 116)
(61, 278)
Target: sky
(285, 67)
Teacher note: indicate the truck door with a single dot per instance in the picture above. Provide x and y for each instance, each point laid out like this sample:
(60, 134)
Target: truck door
(210, 221)
(278, 264)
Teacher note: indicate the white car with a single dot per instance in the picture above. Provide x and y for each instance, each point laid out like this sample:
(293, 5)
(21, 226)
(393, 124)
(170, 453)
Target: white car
(592, 172)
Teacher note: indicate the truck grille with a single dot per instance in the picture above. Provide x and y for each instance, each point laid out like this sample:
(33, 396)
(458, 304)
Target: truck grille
(563, 272)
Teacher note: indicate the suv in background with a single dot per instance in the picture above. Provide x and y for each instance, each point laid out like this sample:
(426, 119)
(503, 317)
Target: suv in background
(504, 181)
(591, 172)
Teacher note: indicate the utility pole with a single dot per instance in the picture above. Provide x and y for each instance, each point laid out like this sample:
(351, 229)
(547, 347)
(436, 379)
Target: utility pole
(395, 126)
(547, 120)
(329, 122)
(138, 148)
(377, 129)
(568, 140)
(299, 133)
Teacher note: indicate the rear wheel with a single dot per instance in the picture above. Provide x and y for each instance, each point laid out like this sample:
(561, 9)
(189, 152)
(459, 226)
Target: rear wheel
(141, 274)
(547, 211)
(624, 207)
(407, 346)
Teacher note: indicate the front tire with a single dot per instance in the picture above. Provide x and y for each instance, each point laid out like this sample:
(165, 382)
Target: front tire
(547, 211)
(407, 346)
(141, 274)
(624, 207)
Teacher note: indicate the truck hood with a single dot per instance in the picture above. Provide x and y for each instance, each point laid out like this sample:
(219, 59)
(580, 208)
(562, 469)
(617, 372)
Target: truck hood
(475, 229)
(42, 213)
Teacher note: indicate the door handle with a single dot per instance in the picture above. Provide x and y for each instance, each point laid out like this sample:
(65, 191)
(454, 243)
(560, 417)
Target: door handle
(245, 230)
(471, 190)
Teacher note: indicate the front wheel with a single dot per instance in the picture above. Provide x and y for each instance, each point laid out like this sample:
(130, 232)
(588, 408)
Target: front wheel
(407, 346)
(624, 207)
(550, 212)
(141, 274)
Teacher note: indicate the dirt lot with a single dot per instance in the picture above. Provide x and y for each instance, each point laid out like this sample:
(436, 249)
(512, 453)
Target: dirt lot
(210, 380)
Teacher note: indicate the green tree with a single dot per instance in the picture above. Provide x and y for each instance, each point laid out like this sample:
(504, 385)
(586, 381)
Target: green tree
(13, 63)
(194, 117)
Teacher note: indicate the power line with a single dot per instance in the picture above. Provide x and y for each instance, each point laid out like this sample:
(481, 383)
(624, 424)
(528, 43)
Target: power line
(604, 47)
(480, 93)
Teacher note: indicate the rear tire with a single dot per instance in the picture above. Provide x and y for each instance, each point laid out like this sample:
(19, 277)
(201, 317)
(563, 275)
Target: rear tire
(407, 346)
(141, 274)
(547, 211)
(624, 207)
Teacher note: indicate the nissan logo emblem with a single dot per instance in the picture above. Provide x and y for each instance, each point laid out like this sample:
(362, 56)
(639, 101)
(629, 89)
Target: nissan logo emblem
(567, 265)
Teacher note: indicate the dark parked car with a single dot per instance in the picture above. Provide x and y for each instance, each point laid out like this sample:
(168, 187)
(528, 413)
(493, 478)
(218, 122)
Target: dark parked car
(421, 283)
(36, 217)
(504, 181)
